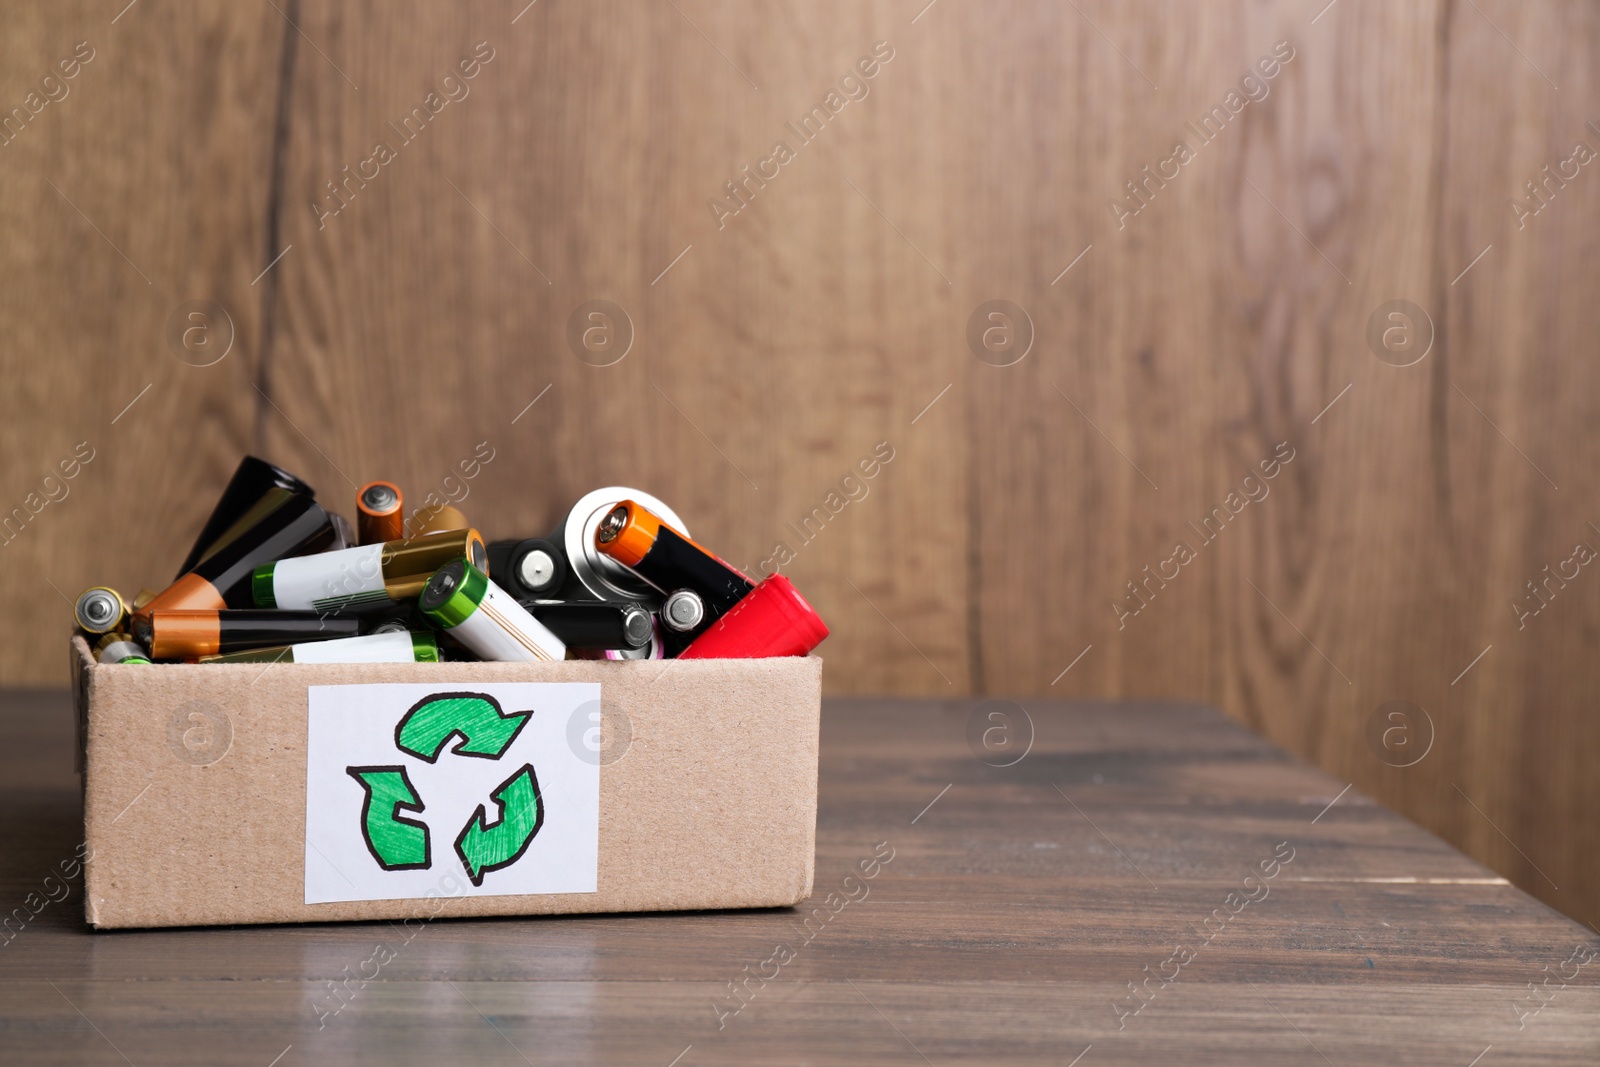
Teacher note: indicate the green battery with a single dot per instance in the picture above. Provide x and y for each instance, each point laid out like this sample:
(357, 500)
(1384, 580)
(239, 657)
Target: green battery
(461, 599)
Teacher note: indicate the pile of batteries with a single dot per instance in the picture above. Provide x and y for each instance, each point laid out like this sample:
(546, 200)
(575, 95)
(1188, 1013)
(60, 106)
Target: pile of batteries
(274, 577)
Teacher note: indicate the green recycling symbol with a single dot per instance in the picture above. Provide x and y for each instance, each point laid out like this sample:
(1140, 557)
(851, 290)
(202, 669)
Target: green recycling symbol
(399, 843)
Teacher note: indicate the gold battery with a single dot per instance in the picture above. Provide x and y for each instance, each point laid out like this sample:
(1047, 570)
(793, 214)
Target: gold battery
(436, 520)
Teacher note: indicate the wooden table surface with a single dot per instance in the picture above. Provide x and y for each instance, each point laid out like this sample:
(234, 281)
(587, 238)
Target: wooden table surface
(1267, 913)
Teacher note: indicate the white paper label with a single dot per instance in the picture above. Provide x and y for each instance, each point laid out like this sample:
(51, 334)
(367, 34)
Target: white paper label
(474, 787)
(322, 580)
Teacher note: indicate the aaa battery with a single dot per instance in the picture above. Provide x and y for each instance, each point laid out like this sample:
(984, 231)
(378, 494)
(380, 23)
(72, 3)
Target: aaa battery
(378, 513)
(638, 539)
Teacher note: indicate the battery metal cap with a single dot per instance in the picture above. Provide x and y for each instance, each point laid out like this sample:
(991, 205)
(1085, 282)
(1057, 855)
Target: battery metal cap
(637, 625)
(538, 566)
(683, 610)
(100, 610)
(380, 497)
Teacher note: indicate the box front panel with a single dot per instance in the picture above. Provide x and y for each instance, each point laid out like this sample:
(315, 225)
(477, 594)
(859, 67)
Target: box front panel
(197, 790)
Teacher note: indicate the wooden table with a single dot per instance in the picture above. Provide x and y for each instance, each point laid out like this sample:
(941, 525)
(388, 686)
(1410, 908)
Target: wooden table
(1267, 913)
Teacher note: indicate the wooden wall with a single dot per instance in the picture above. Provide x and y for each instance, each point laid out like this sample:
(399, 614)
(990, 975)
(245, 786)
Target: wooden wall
(1173, 350)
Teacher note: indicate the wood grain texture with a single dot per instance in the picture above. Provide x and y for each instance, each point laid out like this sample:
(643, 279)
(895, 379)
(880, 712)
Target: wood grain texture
(773, 348)
(1016, 905)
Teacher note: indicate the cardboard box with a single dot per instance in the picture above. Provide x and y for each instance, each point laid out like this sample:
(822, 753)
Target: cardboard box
(702, 794)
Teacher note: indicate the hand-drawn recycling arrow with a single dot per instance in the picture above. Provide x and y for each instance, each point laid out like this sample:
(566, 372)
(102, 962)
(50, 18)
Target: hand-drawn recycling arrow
(484, 848)
(397, 843)
(485, 731)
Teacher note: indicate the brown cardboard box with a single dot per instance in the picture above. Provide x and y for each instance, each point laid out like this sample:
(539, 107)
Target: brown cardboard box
(196, 775)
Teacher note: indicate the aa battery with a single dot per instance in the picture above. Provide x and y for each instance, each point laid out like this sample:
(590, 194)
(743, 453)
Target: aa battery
(592, 574)
(379, 517)
(531, 568)
(100, 610)
(414, 646)
(222, 579)
(192, 634)
(774, 620)
(638, 539)
(593, 624)
(460, 598)
(365, 575)
(119, 648)
(435, 520)
(253, 480)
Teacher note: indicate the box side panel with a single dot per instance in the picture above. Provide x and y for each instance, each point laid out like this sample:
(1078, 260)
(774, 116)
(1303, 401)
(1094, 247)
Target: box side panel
(195, 802)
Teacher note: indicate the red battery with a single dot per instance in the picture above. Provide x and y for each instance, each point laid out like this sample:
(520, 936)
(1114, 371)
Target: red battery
(773, 620)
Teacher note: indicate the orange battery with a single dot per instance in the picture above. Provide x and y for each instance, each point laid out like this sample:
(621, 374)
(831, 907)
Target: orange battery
(638, 539)
(379, 516)
(192, 634)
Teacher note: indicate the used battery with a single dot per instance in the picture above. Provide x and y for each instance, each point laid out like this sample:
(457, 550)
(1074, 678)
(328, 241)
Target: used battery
(774, 620)
(413, 646)
(531, 568)
(365, 575)
(378, 513)
(222, 579)
(253, 480)
(591, 573)
(594, 624)
(462, 600)
(100, 610)
(435, 520)
(192, 634)
(635, 537)
(119, 648)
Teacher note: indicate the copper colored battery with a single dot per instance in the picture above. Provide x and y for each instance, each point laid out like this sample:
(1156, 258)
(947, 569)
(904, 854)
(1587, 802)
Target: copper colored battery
(379, 516)
(637, 538)
(192, 634)
(443, 517)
